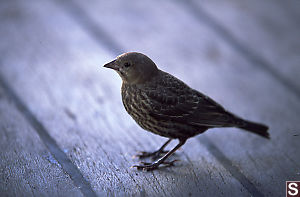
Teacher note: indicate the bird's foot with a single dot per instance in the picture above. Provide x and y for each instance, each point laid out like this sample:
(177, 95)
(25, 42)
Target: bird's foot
(155, 155)
(152, 166)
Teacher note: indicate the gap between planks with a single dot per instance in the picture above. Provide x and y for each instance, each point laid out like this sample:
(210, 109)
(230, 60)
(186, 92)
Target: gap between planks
(115, 48)
(252, 57)
(50, 143)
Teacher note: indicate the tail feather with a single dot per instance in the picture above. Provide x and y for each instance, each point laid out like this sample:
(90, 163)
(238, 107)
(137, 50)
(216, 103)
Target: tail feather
(256, 128)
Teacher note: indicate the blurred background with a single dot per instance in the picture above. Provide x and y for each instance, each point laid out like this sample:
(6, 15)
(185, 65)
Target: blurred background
(65, 132)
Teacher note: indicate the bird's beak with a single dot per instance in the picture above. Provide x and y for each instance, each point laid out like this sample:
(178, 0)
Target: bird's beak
(112, 65)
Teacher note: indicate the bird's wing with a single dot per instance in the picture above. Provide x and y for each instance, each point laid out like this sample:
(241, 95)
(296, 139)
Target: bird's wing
(171, 99)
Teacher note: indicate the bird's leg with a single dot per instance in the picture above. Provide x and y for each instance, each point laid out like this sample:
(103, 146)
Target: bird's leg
(154, 154)
(154, 165)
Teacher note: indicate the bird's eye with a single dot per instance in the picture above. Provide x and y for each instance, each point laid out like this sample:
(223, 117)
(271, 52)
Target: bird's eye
(127, 64)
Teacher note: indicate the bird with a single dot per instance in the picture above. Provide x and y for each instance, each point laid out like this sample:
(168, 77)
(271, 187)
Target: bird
(166, 106)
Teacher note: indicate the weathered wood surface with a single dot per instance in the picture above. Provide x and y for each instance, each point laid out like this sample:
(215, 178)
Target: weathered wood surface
(264, 32)
(53, 63)
(75, 101)
(209, 64)
(27, 167)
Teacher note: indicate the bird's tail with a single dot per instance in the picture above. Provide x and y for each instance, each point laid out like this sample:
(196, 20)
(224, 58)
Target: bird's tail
(256, 128)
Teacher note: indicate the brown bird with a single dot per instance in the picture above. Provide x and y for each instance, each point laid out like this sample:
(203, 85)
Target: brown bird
(164, 105)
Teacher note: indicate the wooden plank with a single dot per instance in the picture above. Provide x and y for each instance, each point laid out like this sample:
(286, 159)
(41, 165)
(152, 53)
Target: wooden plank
(27, 167)
(178, 43)
(265, 32)
(57, 75)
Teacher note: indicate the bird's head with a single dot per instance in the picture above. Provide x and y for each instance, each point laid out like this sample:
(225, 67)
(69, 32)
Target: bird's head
(134, 68)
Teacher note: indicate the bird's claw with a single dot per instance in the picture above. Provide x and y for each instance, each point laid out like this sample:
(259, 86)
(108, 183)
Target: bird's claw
(146, 167)
(152, 166)
(154, 155)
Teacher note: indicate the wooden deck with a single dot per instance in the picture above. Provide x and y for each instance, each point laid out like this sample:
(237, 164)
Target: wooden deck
(65, 132)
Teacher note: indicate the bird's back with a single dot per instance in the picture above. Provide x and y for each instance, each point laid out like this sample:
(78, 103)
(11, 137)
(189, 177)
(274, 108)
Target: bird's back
(166, 106)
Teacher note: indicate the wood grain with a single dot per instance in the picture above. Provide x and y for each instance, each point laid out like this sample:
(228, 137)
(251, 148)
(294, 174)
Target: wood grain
(52, 59)
(265, 32)
(27, 167)
(78, 102)
(197, 54)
